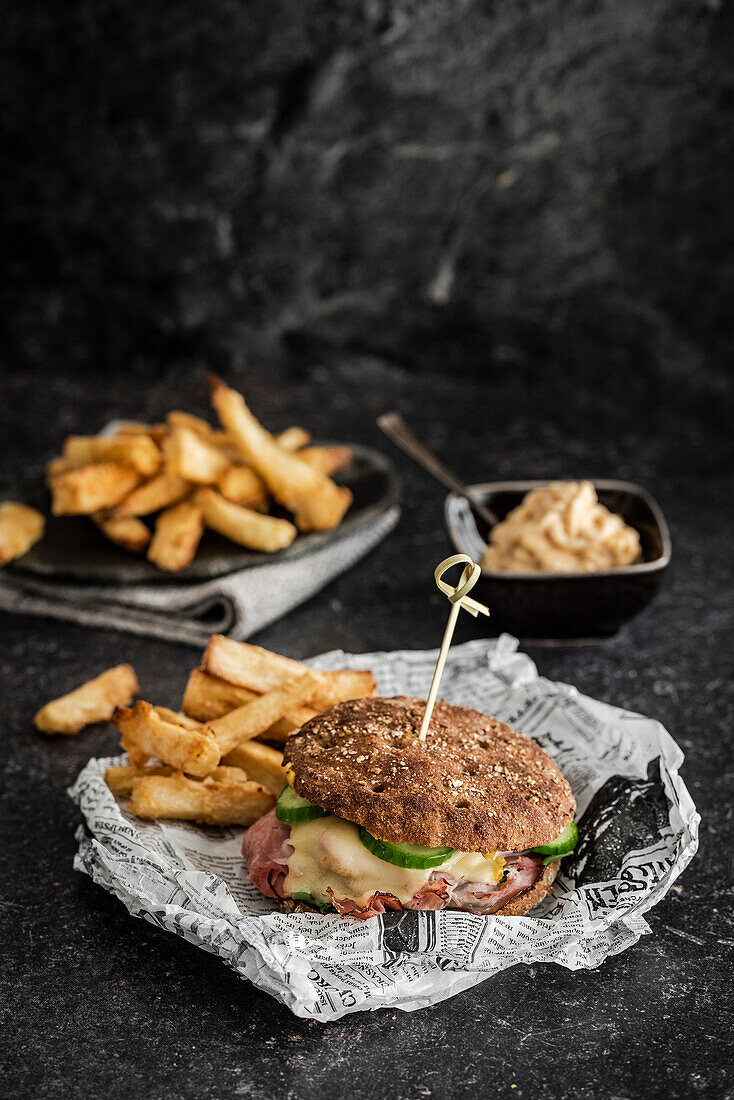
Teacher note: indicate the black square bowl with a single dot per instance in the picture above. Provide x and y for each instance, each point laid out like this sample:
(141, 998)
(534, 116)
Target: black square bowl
(565, 605)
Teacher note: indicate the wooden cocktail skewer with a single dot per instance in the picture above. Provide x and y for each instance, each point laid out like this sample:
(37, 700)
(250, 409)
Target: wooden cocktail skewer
(458, 598)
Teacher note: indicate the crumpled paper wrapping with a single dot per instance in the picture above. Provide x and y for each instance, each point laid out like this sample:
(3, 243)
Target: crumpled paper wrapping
(638, 830)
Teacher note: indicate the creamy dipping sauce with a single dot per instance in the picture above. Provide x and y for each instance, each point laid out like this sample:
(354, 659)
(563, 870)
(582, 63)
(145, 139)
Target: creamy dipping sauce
(561, 528)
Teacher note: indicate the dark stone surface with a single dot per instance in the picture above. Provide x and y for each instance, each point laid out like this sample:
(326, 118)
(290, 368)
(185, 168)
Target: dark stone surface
(98, 1004)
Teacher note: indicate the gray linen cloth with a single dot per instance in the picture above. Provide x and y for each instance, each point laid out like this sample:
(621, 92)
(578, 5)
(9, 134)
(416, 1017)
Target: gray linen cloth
(238, 604)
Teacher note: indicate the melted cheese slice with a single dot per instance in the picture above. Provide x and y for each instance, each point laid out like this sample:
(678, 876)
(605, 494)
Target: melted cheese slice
(328, 852)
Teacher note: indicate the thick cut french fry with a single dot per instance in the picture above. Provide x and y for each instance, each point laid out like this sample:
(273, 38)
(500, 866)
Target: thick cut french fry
(253, 718)
(178, 419)
(20, 528)
(160, 492)
(178, 532)
(282, 729)
(259, 670)
(176, 718)
(94, 701)
(157, 432)
(263, 764)
(203, 428)
(248, 665)
(243, 525)
(219, 438)
(293, 439)
(120, 779)
(146, 734)
(316, 502)
(138, 451)
(329, 460)
(226, 797)
(207, 697)
(191, 456)
(91, 488)
(242, 486)
(338, 687)
(126, 531)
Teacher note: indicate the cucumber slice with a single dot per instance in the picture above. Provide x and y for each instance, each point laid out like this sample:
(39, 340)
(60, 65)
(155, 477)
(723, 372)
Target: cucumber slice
(292, 808)
(563, 845)
(415, 856)
(301, 895)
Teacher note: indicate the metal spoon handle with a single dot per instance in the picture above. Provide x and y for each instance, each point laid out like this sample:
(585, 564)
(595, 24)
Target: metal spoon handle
(395, 428)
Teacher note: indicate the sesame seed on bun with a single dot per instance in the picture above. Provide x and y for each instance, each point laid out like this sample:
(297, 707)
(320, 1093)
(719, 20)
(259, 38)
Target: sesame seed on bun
(475, 784)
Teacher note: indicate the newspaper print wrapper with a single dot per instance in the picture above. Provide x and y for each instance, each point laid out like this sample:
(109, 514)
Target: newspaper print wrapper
(638, 830)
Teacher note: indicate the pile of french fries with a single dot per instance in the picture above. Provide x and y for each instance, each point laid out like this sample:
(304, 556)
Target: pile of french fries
(193, 476)
(217, 761)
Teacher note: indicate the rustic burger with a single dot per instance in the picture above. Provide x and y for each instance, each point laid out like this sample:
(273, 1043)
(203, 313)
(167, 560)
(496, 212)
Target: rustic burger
(476, 817)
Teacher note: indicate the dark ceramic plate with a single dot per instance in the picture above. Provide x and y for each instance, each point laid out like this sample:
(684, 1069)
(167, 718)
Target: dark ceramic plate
(569, 605)
(73, 548)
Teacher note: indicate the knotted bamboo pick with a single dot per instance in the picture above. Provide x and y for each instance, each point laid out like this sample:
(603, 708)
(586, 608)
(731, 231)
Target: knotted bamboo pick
(458, 598)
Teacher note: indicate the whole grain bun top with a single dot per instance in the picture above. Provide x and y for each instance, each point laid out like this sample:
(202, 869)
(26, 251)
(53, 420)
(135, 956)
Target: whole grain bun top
(474, 784)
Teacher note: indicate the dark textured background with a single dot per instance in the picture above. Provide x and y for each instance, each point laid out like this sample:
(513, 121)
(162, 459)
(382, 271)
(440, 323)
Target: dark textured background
(530, 184)
(512, 222)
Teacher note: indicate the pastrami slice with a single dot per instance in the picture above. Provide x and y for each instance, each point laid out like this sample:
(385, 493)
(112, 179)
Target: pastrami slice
(267, 850)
